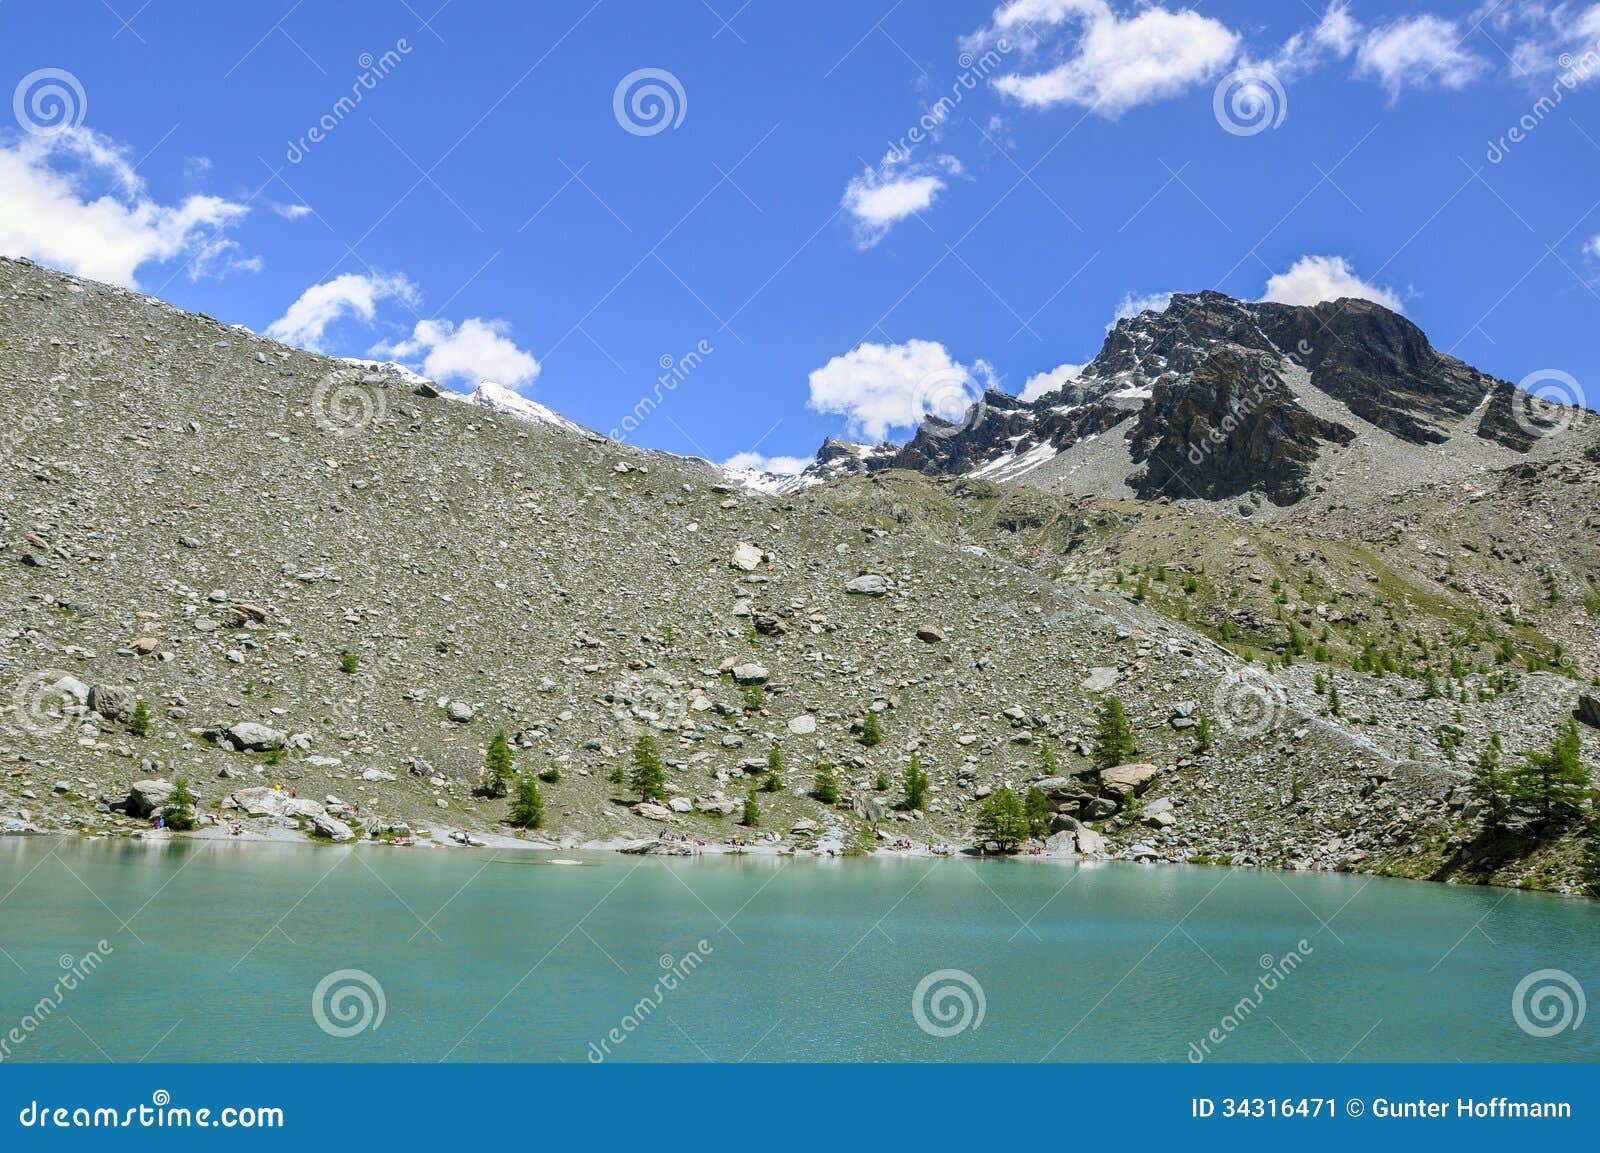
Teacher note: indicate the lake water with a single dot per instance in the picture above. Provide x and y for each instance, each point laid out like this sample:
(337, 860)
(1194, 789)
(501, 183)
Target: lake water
(243, 952)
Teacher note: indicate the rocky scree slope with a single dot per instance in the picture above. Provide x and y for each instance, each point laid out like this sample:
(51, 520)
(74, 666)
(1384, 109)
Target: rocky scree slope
(346, 584)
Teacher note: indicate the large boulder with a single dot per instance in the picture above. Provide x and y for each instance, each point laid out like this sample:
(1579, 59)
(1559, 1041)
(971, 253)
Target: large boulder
(870, 809)
(1134, 778)
(332, 828)
(750, 674)
(651, 811)
(868, 585)
(1588, 710)
(146, 799)
(70, 686)
(253, 737)
(746, 557)
(1090, 843)
(265, 802)
(114, 702)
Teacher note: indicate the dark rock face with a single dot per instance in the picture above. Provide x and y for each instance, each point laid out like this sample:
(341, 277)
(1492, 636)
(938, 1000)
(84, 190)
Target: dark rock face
(1233, 428)
(1210, 382)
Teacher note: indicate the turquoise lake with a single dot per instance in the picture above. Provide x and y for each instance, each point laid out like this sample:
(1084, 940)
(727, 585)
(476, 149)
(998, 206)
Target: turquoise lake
(208, 951)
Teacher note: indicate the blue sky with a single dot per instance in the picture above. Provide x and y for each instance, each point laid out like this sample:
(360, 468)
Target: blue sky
(495, 206)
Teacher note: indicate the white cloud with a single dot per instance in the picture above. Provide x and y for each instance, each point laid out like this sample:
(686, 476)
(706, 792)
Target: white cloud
(292, 211)
(777, 465)
(1112, 62)
(882, 197)
(350, 295)
(56, 208)
(1418, 52)
(1558, 41)
(1314, 279)
(1131, 305)
(1335, 36)
(1043, 383)
(884, 386)
(1593, 248)
(476, 350)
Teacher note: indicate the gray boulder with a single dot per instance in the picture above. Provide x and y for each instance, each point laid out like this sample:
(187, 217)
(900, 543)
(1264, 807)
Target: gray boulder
(332, 828)
(114, 702)
(750, 674)
(1588, 710)
(252, 737)
(868, 585)
(147, 798)
(1134, 778)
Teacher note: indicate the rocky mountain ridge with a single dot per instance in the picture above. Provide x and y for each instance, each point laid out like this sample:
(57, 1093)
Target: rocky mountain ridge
(1253, 405)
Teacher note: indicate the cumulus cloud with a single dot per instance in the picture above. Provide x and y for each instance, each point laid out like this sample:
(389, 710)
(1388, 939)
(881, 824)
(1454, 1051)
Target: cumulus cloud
(1335, 37)
(1418, 52)
(1044, 383)
(1110, 62)
(777, 465)
(292, 211)
(1131, 305)
(352, 295)
(881, 197)
(476, 350)
(884, 386)
(73, 201)
(1559, 40)
(1593, 247)
(1314, 279)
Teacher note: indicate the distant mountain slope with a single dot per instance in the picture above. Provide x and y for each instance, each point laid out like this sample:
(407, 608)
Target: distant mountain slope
(1221, 400)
